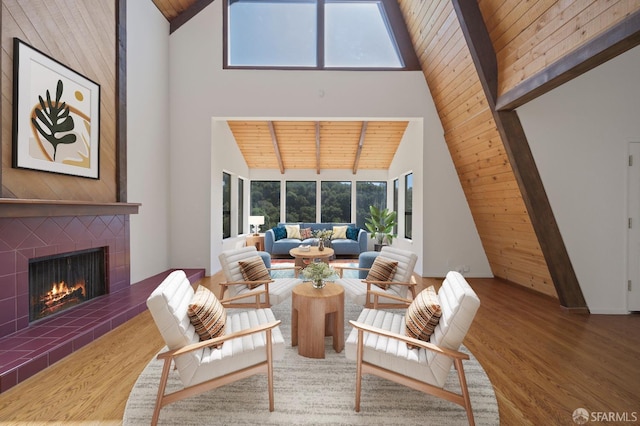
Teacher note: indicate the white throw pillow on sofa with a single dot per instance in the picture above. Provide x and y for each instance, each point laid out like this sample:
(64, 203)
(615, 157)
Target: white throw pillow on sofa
(293, 231)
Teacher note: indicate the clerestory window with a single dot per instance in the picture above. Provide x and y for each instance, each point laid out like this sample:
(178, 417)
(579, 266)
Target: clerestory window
(316, 34)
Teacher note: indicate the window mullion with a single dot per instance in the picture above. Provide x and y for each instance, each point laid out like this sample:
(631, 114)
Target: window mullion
(320, 35)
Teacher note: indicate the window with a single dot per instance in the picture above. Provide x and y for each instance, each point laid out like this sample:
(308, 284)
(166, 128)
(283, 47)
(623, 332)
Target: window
(369, 194)
(335, 202)
(357, 35)
(316, 34)
(265, 201)
(240, 206)
(226, 205)
(272, 33)
(408, 202)
(396, 190)
(301, 202)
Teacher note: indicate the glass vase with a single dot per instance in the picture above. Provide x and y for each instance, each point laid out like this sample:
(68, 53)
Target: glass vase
(321, 244)
(318, 283)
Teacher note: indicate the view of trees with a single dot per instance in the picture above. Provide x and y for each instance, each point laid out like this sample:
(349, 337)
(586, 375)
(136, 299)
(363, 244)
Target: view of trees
(369, 194)
(300, 202)
(265, 201)
(336, 202)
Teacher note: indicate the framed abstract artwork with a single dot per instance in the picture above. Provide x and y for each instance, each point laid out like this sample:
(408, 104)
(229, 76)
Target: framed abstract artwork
(56, 116)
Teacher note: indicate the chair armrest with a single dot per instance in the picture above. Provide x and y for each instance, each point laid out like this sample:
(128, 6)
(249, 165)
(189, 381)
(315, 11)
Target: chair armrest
(258, 282)
(269, 239)
(363, 236)
(377, 294)
(256, 293)
(211, 342)
(225, 285)
(341, 269)
(414, 342)
(388, 283)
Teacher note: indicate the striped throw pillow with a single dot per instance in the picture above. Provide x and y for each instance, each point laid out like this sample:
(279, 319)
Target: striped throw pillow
(305, 233)
(207, 314)
(253, 269)
(382, 270)
(423, 315)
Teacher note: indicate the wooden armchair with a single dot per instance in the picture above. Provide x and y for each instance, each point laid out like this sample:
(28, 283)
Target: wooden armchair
(252, 340)
(378, 344)
(276, 290)
(363, 291)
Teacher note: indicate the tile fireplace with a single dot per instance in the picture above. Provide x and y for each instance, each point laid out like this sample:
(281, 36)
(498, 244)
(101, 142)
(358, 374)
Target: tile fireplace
(62, 281)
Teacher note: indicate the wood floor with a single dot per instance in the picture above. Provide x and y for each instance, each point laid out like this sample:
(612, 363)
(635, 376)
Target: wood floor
(543, 362)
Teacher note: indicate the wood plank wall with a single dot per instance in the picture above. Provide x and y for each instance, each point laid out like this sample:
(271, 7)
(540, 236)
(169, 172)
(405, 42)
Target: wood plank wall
(82, 36)
(527, 37)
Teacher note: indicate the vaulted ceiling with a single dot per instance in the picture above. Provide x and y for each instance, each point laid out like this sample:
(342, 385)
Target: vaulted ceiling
(482, 60)
(316, 145)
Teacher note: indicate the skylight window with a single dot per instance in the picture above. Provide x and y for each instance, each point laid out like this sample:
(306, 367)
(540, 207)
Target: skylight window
(358, 35)
(316, 34)
(272, 33)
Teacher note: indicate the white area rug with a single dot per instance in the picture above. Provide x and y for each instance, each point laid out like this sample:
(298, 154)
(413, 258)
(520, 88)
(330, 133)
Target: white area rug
(313, 392)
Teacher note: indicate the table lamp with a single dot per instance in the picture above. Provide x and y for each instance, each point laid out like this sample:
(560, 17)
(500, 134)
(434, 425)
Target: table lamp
(255, 222)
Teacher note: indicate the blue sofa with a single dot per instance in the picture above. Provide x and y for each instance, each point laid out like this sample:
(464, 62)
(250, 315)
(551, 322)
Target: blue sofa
(341, 246)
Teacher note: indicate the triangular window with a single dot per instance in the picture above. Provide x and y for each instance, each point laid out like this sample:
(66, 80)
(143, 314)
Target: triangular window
(316, 34)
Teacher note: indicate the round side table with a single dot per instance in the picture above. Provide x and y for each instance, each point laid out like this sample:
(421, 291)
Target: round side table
(316, 313)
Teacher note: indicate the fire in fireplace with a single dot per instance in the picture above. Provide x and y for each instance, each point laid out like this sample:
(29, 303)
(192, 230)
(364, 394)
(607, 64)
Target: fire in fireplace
(59, 282)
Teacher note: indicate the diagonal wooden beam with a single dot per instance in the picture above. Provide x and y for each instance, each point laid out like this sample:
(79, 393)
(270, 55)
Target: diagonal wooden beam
(521, 159)
(317, 147)
(363, 132)
(623, 36)
(276, 147)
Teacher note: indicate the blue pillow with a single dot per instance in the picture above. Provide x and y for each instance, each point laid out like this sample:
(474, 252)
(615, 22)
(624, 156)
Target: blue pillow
(352, 233)
(279, 232)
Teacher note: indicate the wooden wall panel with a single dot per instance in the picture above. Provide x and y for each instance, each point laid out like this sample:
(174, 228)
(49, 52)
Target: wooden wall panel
(476, 148)
(529, 36)
(82, 36)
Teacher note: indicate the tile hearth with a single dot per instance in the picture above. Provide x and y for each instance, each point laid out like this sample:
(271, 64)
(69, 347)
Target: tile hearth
(30, 350)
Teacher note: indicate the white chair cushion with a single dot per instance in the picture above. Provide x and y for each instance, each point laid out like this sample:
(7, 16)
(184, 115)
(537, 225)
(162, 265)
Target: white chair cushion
(229, 262)
(239, 353)
(279, 289)
(356, 290)
(168, 305)
(388, 353)
(459, 305)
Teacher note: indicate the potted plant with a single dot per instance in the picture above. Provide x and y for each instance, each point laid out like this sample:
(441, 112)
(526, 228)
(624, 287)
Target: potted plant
(317, 272)
(380, 224)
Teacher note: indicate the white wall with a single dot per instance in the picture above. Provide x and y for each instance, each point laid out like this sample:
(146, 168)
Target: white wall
(148, 137)
(200, 89)
(579, 135)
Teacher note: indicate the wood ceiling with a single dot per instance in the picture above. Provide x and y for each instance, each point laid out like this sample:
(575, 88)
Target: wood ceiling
(316, 145)
(354, 145)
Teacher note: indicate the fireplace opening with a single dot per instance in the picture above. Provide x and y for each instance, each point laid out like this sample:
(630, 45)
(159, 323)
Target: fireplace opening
(60, 282)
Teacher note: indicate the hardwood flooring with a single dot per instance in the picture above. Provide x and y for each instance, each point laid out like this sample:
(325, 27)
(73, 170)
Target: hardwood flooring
(543, 361)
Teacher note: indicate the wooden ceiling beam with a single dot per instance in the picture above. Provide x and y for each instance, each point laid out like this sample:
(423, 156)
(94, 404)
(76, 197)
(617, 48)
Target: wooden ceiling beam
(276, 147)
(356, 161)
(522, 162)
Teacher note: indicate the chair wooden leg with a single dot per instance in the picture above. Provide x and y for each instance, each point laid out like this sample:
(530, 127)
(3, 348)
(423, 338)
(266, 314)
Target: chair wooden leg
(465, 391)
(359, 369)
(161, 387)
(270, 370)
